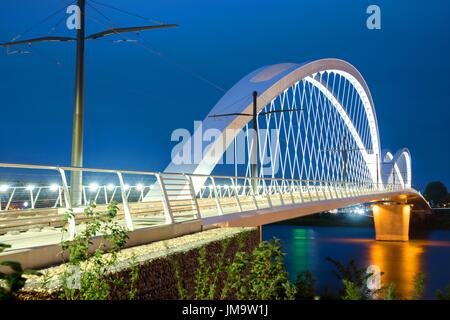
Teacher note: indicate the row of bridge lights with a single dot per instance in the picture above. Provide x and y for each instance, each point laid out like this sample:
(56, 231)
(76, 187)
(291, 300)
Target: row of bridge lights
(224, 187)
(110, 187)
(92, 187)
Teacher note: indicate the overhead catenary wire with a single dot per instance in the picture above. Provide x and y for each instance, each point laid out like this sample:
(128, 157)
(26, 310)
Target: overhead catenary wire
(37, 24)
(98, 11)
(126, 12)
(146, 46)
(141, 43)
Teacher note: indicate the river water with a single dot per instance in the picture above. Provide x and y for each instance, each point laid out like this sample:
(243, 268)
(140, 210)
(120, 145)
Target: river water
(307, 247)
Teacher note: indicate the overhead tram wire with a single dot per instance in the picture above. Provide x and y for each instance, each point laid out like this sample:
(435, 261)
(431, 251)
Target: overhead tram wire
(52, 29)
(34, 26)
(60, 20)
(145, 45)
(127, 12)
(97, 10)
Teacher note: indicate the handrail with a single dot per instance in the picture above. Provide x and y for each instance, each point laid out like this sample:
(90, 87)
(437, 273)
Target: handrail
(176, 193)
(99, 170)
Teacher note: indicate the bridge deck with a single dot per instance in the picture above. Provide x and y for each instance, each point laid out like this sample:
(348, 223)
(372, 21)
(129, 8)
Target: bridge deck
(35, 228)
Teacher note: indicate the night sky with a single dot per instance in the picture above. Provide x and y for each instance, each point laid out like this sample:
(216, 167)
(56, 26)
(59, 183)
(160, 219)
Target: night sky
(138, 93)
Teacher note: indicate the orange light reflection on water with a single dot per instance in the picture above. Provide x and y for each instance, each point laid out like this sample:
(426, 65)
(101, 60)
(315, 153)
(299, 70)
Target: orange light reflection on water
(400, 262)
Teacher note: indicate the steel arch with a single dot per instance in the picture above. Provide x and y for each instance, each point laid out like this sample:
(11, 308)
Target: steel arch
(270, 82)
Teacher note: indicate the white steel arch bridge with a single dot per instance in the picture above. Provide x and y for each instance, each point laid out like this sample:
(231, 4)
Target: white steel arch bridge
(323, 122)
(318, 149)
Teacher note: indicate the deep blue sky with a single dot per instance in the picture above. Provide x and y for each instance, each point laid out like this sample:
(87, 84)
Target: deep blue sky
(135, 97)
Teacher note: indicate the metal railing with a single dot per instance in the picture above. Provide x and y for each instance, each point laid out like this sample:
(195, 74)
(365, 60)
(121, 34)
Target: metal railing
(172, 196)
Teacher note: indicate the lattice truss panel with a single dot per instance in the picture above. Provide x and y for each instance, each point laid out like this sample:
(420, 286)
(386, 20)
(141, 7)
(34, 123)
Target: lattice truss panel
(326, 138)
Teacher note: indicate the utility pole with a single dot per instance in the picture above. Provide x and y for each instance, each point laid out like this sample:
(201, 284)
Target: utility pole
(345, 159)
(76, 180)
(344, 152)
(393, 175)
(255, 149)
(378, 172)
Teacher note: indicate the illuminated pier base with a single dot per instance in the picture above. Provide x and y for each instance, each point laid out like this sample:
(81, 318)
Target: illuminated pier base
(391, 221)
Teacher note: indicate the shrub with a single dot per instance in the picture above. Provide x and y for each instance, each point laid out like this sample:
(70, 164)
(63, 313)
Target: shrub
(443, 295)
(88, 276)
(305, 286)
(11, 283)
(259, 275)
(354, 279)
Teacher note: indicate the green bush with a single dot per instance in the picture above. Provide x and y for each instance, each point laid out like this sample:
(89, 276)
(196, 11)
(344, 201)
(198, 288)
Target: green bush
(354, 280)
(443, 295)
(305, 286)
(11, 283)
(259, 275)
(88, 276)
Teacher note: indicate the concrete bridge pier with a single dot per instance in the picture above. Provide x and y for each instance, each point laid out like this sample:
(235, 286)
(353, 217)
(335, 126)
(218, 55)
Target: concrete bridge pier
(391, 221)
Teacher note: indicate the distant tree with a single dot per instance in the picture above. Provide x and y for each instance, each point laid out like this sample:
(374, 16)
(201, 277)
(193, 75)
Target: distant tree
(436, 192)
(447, 200)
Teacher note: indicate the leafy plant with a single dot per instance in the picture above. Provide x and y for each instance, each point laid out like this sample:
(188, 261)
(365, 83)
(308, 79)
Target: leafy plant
(134, 277)
(390, 292)
(268, 278)
(257, 275)
(419, 286)
(354, 279)
(443, 295)
(182, 291)
(305, 286)
(234, 283)
(352, 291)
(202, 276)
(11, 283)
(88, 276)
